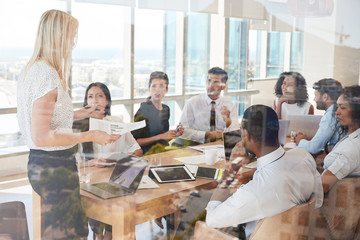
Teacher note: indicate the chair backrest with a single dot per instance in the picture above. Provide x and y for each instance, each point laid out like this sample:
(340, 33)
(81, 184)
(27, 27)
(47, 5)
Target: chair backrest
(339, 217)
(202, 231)
(291, 224)
(13, 223)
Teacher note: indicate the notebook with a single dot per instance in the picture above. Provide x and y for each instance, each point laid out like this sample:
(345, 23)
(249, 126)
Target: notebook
(307, 124)
(283, 130)
(124, 179)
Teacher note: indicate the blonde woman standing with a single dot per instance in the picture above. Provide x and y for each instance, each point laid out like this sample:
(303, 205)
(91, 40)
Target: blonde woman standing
(45, 115)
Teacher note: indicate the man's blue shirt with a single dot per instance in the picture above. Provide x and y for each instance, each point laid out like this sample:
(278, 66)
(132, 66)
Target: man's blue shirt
(325, 134)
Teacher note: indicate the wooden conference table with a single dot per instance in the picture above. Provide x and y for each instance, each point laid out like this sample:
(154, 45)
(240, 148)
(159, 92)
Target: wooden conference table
(124, 213)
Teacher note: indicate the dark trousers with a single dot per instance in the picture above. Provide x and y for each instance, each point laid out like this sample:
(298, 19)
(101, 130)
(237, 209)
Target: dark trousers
(54, 176)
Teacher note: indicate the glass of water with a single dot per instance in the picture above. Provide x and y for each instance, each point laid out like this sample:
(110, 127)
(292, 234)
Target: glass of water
(83, 166)
(292, 136)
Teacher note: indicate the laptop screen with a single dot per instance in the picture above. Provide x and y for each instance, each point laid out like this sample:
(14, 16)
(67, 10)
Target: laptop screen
(230, 139)
(307, 124)
(283, 130)
(128, 171)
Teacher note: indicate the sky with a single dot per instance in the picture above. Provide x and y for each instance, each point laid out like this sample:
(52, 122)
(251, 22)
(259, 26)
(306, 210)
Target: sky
(99, 25)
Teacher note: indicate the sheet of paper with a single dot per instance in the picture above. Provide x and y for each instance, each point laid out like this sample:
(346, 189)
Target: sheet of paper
(196, 159)
(220, 148)
(192, 159)
(114, 127)
(147, 182)
(202, 148)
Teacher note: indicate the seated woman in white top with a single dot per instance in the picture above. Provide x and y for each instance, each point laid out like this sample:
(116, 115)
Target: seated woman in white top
(293, 100)
(97, 94)
(344, 159)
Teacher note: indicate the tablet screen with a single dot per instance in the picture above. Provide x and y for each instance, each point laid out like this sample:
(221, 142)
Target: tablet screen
(205, 172)
(171, 174)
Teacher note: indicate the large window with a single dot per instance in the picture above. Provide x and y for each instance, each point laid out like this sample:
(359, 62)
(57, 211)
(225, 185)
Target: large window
(149, 42)
(16, 47)
(98, 56)
(275, 56)
(197, 52)
(237, 67)
(170, 49)
(254, 56)
(237, 54)
(296, 54)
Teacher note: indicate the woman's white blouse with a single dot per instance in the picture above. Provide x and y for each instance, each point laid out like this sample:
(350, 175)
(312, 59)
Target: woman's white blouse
(344, 159)
(293, 109)
(39, 80)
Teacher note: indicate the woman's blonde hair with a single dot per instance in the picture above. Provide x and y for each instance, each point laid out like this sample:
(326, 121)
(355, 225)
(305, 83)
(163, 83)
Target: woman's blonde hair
(54, 42)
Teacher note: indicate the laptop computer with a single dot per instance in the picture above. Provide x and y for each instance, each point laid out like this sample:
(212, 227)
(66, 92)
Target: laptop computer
(307, 124)
(230, 139)
(124, 180)
(283, 130)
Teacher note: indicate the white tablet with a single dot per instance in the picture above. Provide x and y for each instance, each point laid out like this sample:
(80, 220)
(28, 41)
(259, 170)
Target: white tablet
(166, 174)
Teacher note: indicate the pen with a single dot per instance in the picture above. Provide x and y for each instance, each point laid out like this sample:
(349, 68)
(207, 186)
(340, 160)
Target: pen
(177, 128)
(87, 107)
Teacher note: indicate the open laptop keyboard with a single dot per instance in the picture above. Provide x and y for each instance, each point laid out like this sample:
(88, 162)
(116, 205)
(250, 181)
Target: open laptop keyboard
(110, 188)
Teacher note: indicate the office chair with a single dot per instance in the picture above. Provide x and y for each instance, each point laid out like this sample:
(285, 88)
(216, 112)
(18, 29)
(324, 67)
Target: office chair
(202, 231)
(13, 223)
(291, 224)
(339, 217)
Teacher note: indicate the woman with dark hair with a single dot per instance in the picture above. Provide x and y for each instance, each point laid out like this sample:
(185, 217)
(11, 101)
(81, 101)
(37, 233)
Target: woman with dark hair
(279, 82)
(277, 89)
(344, 159)
(294, 96)
(105, 91)
(156, 114)
(97, 94)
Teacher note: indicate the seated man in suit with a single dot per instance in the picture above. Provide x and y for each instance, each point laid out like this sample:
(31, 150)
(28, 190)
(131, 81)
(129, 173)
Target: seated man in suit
(327, 92)
(282, 179)
(207, 115)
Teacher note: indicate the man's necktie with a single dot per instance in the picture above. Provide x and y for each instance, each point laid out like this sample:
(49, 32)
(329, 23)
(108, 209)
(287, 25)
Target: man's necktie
(212, 116)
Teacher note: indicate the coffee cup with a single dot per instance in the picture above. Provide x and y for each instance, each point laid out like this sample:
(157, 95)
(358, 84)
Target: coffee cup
(210, 156)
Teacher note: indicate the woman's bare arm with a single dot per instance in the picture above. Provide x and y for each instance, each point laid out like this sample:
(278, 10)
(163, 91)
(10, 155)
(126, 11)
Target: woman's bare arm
(163, 136)
(328, 180)
(43, 136)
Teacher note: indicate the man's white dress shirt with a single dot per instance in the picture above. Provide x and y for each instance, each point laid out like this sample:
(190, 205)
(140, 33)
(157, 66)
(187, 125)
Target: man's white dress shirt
(282, 180)
(195, 116)
(344, 159)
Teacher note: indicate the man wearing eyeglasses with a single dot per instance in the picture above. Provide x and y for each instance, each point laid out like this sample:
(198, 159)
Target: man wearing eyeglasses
(207, 115)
